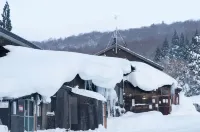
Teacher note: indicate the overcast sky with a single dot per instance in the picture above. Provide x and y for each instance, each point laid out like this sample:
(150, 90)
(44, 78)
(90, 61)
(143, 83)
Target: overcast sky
(42, 19)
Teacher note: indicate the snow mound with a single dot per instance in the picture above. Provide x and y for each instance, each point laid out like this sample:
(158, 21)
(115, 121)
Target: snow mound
(186, 107)
(195, 99)
(3, 128)
(148, 78)
(25, 71)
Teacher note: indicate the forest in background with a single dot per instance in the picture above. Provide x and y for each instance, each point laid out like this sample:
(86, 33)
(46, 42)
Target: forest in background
(142, 40)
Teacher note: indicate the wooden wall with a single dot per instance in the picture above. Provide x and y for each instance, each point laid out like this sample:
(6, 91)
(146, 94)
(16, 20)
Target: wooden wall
(147, 101)
(76, 112)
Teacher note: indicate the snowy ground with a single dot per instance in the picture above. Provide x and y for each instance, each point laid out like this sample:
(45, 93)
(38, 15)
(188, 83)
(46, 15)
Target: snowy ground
(184, 118)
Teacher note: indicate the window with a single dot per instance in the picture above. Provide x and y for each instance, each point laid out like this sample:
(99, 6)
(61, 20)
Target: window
(89, 85)
(153, 100)
(133, 102)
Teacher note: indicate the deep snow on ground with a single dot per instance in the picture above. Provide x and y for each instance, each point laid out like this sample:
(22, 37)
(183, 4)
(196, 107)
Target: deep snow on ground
(184, 118)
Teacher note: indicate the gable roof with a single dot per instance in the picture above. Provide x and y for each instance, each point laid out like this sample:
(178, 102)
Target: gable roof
(16, 39)
(132, 53)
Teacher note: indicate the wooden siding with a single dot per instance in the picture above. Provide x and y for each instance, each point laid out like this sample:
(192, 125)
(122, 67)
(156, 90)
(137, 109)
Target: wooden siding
(77, 112)
(147, 101)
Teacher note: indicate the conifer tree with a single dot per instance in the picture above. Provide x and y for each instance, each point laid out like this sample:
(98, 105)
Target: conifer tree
(175, 45)
(157, 57)
(165, 49)
(194, 66)
(181, 47)
(6, 21)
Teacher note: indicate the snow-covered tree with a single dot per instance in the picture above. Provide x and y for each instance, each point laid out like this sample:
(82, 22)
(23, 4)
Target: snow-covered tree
(194, 67)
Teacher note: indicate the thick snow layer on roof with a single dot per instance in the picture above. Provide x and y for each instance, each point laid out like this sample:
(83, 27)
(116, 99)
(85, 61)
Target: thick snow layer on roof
(88, 93)
(148, 78)
(25, 71)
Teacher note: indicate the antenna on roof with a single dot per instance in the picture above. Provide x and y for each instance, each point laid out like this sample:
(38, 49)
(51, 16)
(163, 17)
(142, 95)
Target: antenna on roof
(116, 36)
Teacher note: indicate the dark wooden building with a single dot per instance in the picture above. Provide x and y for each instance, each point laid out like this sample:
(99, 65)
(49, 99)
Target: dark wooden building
(133, 98)
(67, 110)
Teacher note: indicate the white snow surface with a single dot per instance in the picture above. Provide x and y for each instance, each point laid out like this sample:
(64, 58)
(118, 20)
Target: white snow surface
(25, 71)
(149, 78)
(195, 99)
(88, 93)
(3, 128)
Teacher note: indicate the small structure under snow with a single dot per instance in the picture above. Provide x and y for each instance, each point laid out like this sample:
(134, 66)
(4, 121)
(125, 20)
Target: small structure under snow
(145, 89)
(148, 89)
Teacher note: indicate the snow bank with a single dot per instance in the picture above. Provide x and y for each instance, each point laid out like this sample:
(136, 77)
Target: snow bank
(153, 122)
(53, 130)
(3, 128)
(25, 71)
(195, 99)
(148, 78)
(100, 129)
(186, 107)
(88, 93)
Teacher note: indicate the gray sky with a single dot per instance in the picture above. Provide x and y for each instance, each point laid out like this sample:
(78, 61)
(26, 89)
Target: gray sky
(42, 19)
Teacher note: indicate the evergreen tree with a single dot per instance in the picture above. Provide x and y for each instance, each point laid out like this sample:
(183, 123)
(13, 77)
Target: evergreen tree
(6, 22)
(180, 51)
(175, 45)
(157, 57)
(194, 66)
(1, 23)
(196, 33)
(165, 49)
(186, 50)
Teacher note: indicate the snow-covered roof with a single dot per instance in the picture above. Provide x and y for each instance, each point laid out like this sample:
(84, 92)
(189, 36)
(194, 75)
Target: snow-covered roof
(148, 61)
(25, 70)
(148, 78)
(88, 93)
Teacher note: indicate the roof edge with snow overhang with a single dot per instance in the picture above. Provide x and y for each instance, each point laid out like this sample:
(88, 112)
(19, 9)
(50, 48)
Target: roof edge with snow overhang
(149, 78)
(25, 71)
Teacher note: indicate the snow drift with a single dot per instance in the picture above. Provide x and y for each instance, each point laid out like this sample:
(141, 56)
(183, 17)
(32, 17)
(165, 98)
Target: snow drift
(149, 78)
(25, 71)
(3, 128)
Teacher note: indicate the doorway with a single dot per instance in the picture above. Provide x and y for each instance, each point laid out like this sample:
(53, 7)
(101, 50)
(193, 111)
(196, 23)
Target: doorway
(28, 115)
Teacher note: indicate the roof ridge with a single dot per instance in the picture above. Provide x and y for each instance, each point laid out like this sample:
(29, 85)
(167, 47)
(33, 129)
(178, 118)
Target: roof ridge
(133, 53)
(18, 38)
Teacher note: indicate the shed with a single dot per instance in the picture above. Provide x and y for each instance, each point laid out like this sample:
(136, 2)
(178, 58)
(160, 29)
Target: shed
(69, 109)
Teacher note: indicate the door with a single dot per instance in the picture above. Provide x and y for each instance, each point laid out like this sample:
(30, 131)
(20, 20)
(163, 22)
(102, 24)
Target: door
(4, 113)
(28, 115)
